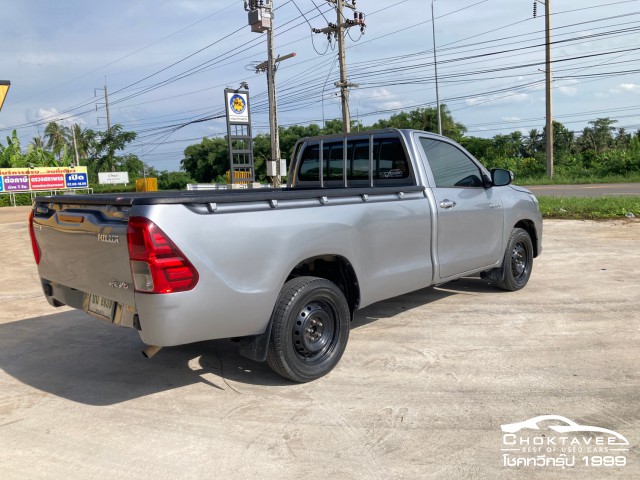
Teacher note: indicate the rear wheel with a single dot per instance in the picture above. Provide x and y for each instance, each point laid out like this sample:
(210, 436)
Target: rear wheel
(518, 261)
(310, 329)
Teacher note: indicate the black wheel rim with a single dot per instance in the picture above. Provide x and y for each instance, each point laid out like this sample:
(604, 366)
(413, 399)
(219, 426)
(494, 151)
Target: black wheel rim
(520, 261)
(315, 331)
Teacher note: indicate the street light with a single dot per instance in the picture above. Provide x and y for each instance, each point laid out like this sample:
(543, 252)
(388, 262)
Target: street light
(435, 66)
(4, 88)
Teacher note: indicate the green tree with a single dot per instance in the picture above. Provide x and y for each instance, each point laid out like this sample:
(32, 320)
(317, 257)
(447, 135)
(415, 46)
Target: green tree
(508, 145)
(57, 138)
(107, 143)
(172, 180)
(533, 143)
(426, 119)
(11, 156)
(207, 161)
(599, 136)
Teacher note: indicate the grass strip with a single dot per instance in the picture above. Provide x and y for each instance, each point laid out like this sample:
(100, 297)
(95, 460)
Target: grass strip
(593, 208)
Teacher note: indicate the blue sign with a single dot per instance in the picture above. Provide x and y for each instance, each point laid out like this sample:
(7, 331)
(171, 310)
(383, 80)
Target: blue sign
(238, 104)
(1, 185)
(77, 180)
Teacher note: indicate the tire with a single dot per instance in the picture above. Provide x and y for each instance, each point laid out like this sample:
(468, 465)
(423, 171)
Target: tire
(518, 261)
(309, 329)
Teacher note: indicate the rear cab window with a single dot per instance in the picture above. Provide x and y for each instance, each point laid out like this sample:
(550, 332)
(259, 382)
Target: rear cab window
(367, 161)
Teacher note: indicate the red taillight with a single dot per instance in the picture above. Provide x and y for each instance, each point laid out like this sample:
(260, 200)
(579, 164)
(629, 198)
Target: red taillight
(34, 243)
(157, 264)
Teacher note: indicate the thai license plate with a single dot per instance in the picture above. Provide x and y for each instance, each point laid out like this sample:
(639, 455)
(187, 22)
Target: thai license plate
(101, 307)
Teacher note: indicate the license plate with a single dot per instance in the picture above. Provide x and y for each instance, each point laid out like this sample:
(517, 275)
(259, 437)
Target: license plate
(101, 307)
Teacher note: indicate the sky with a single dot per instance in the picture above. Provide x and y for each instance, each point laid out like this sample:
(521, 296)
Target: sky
(166, 64)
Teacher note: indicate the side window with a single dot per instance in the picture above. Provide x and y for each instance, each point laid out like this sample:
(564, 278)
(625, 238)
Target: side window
(390, 159)
(335, 159)
(310, 164)
(450, 166)
(358, 159)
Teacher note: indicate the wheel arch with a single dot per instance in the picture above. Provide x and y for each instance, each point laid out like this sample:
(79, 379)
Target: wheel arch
(530, 228)
(332, 267)
(336, 269)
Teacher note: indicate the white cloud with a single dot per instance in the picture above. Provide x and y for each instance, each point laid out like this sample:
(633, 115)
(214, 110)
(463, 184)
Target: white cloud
(53, 115)
(511, 119)
(629, 87)
(568, 91)
(39, 58)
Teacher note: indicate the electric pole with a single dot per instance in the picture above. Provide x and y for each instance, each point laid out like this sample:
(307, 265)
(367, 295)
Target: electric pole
(273, 108)
(548, 87)
(75, 146)
(106, 106)
(261, 20)
(548, 84)
(338, 30)
(435, 66)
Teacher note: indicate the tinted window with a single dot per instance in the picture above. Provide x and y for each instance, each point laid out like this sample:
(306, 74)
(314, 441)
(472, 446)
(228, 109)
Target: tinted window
(450, 166)
(391, 162)
(358, 156)
(334, 154)
(310, 164)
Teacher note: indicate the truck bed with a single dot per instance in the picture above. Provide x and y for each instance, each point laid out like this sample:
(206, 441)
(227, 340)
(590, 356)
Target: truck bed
(207, 197)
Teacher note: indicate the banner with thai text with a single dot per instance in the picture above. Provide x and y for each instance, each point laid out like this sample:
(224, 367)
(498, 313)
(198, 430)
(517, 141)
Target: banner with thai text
(18, 180)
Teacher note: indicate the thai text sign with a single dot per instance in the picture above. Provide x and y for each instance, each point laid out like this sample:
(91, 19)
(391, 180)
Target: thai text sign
(42, 178)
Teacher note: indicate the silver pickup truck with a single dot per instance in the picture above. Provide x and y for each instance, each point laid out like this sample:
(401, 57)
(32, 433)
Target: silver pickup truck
(365, 216)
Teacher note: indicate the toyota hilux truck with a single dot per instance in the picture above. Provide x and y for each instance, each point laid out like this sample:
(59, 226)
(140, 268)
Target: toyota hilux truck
(364, 217)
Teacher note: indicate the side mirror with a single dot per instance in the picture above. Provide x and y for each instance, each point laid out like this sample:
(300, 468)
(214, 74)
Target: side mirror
(501, 177)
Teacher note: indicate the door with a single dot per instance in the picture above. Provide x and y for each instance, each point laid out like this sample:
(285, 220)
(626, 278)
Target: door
(469, 216)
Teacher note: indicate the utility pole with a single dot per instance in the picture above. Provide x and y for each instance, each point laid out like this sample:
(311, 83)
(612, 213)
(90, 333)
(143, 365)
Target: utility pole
(548, 86)
(75, 146)
(273, 109)
(548, 83)
(338, 30)
(435, 66)
(261, 20)
(106, 106)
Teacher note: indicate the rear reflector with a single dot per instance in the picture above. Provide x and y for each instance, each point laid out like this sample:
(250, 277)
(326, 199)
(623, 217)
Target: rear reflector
(157, 264)
(34, 243)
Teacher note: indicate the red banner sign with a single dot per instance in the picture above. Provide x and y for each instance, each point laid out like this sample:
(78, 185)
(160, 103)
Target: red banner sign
(47, 181)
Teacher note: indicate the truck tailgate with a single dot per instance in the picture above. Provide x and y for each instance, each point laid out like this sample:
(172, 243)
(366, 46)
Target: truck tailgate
(84, 248)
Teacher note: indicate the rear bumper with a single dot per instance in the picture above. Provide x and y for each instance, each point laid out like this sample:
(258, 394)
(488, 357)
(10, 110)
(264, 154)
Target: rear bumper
(58, 295)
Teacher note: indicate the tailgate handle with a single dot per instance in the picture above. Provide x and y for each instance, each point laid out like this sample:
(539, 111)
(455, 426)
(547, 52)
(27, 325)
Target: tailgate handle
(66, 217)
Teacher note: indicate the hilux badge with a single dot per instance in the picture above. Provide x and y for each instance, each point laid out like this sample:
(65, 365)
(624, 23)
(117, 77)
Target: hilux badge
(108, 238)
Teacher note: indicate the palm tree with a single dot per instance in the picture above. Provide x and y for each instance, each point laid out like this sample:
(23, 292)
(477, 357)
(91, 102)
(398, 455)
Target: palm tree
(37, 142)
(533, 143)
(57, 137)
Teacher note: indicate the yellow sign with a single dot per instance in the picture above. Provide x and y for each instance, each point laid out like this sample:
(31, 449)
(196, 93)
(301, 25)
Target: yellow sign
(4, 88)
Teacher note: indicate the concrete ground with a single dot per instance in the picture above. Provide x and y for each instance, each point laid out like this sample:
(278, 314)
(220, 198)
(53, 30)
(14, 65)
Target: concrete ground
(422, 391)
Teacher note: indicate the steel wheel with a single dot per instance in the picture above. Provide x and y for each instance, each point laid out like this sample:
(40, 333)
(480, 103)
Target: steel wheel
(310, 329)
(518, 261)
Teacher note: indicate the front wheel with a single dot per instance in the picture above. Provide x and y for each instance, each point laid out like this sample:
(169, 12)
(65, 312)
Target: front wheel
(310, 329)
(518, 261)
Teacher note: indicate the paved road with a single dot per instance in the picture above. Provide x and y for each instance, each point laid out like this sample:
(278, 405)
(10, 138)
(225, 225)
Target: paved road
(424, 386)
(591, 190)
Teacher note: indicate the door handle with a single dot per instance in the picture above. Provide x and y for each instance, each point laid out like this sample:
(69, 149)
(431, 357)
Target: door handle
(447, 204)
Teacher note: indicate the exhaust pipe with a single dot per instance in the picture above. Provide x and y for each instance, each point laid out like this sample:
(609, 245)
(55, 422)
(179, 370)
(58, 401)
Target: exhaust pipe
(150, 351)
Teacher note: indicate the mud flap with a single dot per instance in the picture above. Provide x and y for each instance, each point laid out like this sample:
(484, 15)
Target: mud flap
(255, 347)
